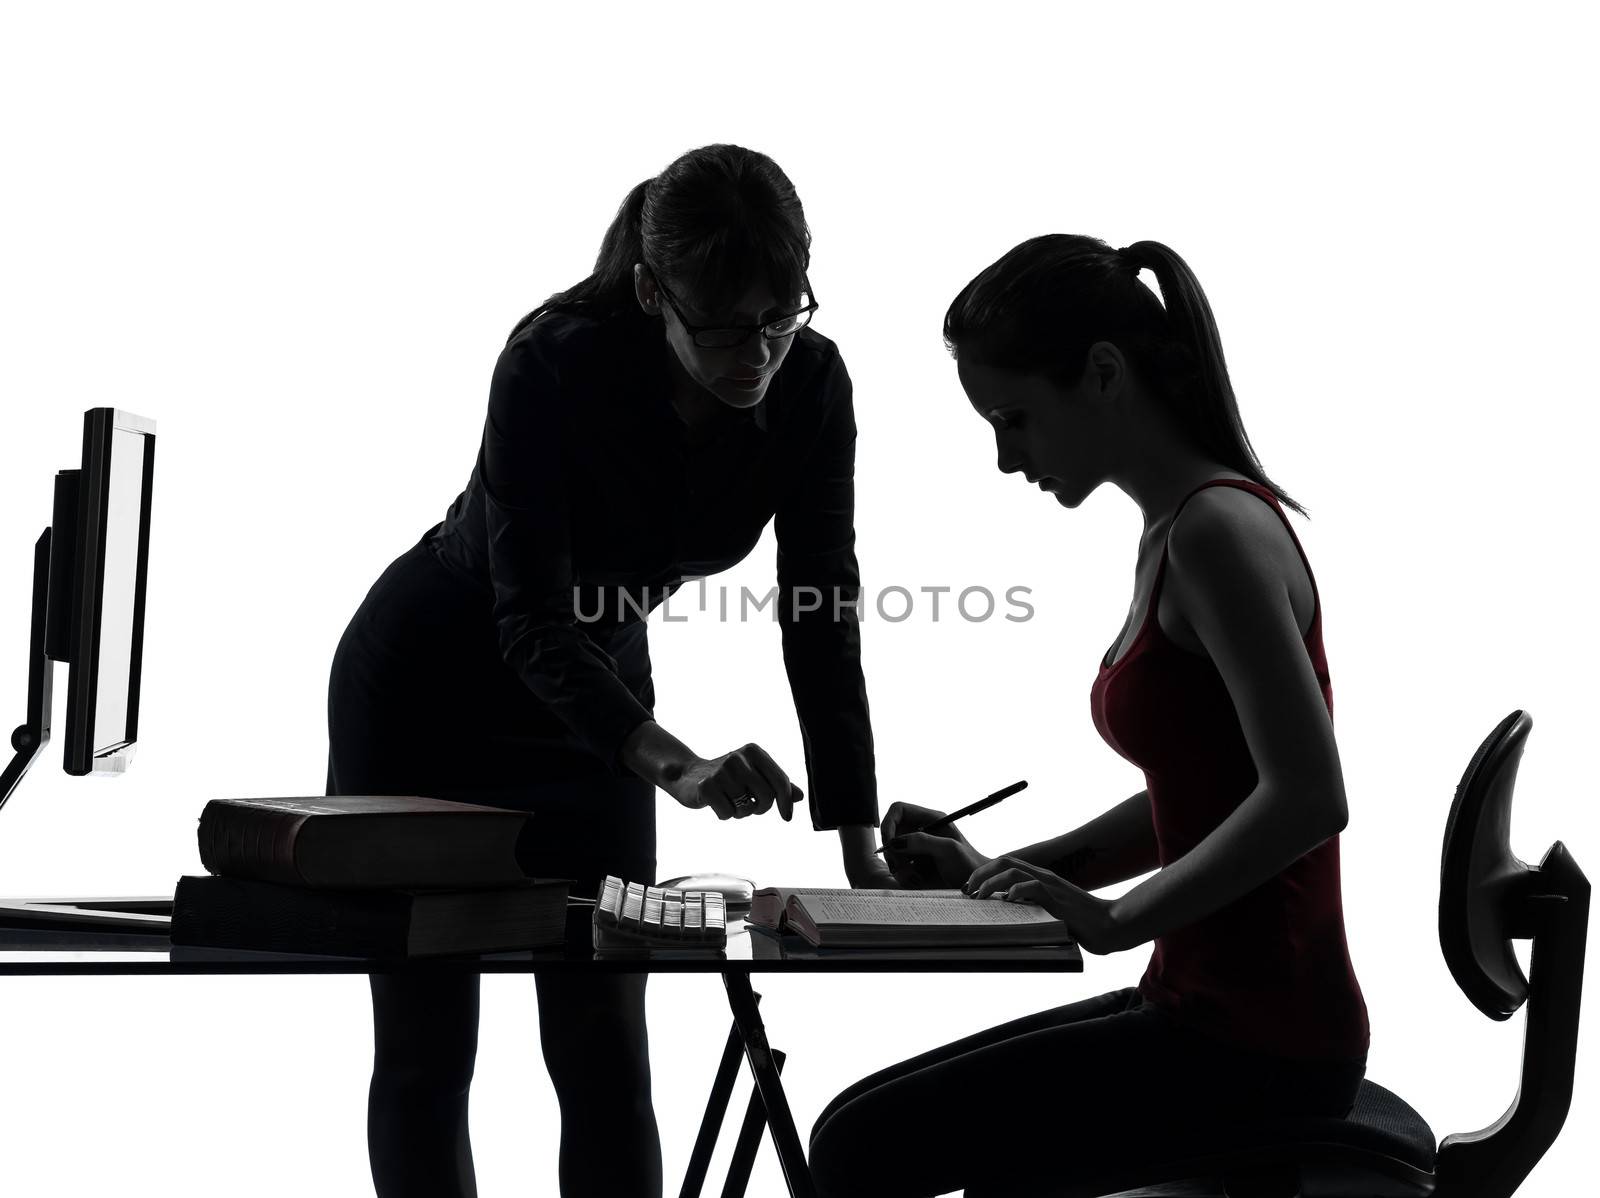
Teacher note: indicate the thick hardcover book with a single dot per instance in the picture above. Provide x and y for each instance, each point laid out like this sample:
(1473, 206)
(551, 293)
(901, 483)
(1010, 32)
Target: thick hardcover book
(903, 919)
(351, 842)
(245, 913)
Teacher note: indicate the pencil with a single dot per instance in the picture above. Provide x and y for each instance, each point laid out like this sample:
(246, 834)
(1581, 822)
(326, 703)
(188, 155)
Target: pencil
(944, 821)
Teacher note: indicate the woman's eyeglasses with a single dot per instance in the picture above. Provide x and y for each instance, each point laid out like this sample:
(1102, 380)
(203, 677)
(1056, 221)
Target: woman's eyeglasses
(728, 336)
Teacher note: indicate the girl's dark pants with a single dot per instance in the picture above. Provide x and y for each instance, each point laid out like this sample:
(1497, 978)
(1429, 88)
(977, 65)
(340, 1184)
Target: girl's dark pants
(420, 702)
(1071, 1092)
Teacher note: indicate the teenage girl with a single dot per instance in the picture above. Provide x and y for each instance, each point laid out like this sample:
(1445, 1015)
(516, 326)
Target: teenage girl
(1218, 690)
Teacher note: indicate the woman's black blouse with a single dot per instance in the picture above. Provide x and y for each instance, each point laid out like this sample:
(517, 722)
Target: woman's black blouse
(591, 501)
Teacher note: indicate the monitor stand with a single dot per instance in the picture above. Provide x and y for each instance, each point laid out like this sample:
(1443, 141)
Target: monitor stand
(34, 732)
(145, 916)
(151, 915)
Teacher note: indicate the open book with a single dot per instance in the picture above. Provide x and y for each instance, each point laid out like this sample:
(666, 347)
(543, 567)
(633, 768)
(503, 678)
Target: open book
(903, 918)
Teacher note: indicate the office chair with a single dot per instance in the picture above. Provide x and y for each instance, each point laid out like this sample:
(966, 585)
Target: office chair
(1383, 1148)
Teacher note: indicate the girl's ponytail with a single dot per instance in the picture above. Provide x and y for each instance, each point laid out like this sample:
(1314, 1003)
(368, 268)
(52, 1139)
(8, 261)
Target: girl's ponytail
(1213, 411)
(1040, 306)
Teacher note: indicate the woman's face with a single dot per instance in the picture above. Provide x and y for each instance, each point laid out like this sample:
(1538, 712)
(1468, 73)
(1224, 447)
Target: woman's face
(1050, 434)
(738, 376)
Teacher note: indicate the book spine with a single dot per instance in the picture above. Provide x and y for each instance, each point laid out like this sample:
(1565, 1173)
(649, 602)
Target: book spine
(766, 909)
(798, 920)
(240, 841)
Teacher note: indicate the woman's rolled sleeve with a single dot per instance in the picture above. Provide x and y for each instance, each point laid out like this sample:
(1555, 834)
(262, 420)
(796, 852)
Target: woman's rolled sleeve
(819, 585)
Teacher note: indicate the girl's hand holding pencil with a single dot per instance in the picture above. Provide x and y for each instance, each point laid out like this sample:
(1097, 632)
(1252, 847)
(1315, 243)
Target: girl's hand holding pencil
(939, 860)
(924, 848)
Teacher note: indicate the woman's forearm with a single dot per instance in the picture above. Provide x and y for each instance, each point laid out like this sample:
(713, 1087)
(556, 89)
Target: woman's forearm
(1113, 847)
(655, 754)
(858, 841)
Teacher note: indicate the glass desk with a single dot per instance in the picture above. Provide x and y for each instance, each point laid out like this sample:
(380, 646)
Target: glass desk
(35, 951)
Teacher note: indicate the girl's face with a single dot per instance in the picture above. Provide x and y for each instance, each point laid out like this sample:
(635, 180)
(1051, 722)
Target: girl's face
(1050, 434)
(738, 375)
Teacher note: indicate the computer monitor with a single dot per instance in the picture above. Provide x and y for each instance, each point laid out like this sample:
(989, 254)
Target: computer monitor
(90, 571)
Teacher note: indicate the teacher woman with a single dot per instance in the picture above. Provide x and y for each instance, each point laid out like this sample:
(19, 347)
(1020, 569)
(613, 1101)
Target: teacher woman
(643, 428)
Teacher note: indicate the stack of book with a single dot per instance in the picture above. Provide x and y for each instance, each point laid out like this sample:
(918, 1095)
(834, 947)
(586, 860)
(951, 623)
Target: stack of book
(365, 876)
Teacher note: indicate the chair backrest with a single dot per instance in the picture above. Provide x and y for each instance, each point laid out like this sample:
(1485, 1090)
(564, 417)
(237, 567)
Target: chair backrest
(1487, 899)
(1479, 875)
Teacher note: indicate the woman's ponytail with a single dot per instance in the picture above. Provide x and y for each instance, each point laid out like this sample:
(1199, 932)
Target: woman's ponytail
(622, 246)
(610, 285)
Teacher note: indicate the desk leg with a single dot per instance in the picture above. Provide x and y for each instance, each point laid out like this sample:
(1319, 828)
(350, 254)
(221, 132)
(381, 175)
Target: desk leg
(784, 1137)
(716, 1109)
(744, 1149)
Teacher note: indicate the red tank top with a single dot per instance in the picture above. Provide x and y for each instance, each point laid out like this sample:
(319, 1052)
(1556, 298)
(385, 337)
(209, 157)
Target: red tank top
(1270, 971)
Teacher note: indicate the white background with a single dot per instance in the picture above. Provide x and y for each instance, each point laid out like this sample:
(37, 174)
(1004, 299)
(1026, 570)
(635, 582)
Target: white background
(297, 235)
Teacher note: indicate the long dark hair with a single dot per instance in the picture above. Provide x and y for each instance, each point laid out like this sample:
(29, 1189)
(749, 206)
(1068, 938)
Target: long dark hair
(715, 221)
(1041, 306)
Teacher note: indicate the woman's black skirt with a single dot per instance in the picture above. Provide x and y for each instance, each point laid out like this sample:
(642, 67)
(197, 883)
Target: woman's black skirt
(420, 702)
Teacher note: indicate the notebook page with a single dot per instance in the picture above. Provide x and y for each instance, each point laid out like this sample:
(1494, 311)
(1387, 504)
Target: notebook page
(928, 908)
(866, 893)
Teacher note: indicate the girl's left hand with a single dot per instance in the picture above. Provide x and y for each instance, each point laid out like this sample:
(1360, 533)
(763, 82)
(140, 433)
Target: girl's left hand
(1090, 919)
